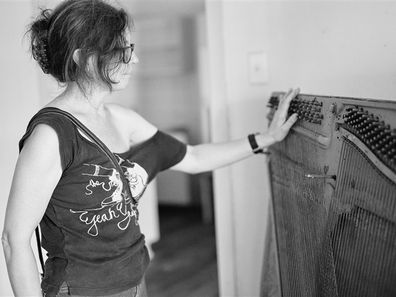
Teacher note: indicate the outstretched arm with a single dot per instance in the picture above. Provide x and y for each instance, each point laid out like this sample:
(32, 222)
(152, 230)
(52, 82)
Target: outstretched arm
(207, 157)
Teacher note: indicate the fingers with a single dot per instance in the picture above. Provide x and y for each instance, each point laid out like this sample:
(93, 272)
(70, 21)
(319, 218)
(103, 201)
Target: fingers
(290, 122)
(281, 131)
(289, 97)
(285, 96)
(284, 104)
(293, 95)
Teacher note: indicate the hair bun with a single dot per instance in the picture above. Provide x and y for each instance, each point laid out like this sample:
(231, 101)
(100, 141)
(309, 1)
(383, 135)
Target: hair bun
(39, 42)
(40, 53)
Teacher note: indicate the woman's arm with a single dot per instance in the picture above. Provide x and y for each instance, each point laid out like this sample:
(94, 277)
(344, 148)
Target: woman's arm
(206, 157)
(37, 172)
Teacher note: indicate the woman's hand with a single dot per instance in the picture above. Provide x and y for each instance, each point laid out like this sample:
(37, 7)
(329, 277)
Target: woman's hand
(280, 126)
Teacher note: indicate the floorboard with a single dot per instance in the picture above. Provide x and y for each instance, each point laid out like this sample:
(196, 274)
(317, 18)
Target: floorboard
(184, 264)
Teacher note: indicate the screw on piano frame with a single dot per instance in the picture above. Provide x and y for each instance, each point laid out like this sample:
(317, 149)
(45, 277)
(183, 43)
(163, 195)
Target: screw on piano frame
(325, 176)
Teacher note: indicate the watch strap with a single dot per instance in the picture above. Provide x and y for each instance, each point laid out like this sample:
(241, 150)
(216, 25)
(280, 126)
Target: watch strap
(253, 144)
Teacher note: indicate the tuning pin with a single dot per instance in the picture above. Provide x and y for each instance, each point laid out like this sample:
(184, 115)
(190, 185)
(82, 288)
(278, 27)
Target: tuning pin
(383, 141)
(365, 118)
(391, 153)
(383, 150)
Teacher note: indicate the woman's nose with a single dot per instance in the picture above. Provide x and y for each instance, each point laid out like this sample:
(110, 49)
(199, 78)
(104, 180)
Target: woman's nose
(135, 58)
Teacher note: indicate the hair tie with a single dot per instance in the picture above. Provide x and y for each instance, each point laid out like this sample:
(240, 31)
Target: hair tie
(40, 53)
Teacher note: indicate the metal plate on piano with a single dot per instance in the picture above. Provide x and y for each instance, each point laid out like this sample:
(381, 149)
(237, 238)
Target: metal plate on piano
(333, 182)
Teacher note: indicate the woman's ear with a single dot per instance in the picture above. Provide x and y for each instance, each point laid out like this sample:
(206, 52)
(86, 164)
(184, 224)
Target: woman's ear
(77, 56)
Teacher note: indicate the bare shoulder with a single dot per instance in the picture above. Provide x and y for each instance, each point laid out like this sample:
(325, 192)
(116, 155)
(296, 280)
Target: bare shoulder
(138, 127)
(40, 153)
(42, 143)
(42, 136)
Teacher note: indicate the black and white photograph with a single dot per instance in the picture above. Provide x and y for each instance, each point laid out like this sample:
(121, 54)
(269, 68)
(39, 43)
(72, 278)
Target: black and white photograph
(198, 148)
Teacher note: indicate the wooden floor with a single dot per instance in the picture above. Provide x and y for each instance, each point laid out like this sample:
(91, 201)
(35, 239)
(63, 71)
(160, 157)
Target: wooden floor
(185, 258)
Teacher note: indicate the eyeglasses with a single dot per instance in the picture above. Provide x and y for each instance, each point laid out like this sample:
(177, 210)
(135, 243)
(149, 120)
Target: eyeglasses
(127, 53)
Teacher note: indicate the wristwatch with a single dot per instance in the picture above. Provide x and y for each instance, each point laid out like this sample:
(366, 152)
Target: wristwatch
(253, 144)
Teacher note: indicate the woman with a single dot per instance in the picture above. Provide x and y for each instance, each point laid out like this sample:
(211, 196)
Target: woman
(64, 182)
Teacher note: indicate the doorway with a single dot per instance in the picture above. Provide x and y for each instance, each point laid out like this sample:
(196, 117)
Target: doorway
(170, 91)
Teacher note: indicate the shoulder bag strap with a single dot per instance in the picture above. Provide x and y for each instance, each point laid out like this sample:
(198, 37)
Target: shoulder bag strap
(40, 252)
(103, 148)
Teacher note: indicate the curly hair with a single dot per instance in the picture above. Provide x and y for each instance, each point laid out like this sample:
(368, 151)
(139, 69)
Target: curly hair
(92, 26)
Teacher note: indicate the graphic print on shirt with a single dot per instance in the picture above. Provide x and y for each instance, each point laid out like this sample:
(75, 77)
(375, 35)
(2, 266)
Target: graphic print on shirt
(116, 204)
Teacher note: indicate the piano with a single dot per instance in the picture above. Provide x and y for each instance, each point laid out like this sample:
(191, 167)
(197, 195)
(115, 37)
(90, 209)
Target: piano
(333, 183)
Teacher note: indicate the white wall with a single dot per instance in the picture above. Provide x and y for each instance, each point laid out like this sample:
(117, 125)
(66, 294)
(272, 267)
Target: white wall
(344, 48)
(341, 48)
(19, 100)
